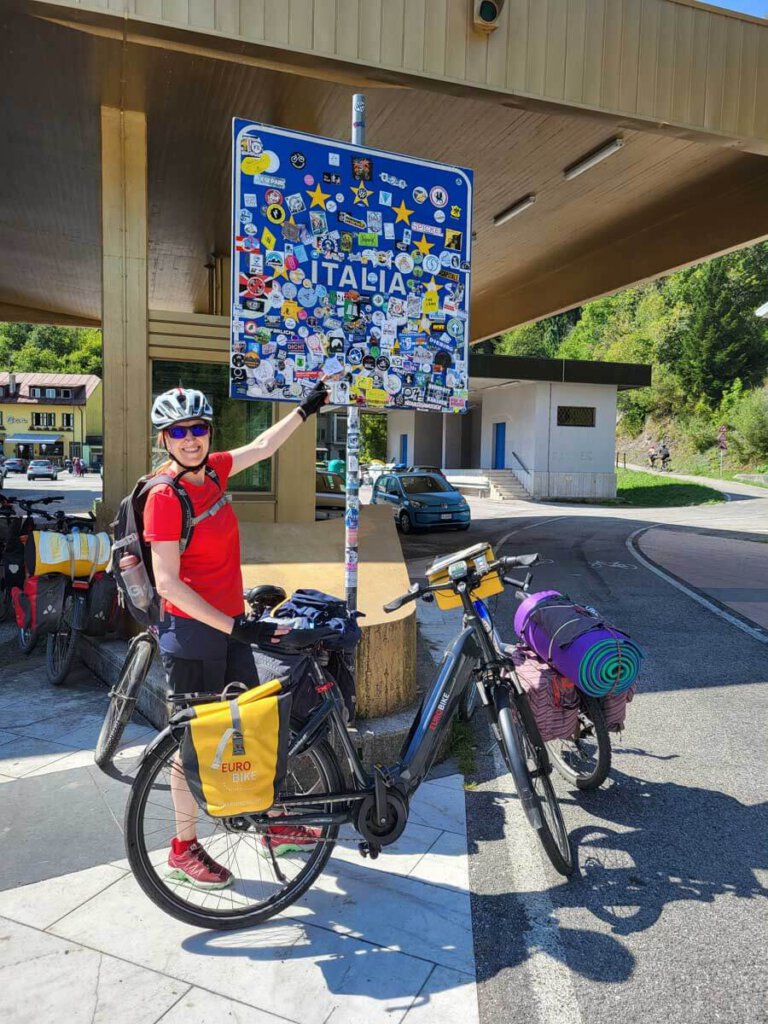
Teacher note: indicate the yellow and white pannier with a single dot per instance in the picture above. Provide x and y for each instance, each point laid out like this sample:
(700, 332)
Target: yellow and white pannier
(74, 554)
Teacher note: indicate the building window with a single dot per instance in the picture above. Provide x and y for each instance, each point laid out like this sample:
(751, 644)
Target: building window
(36, 392)
(235, 422)
(43, 419)
(68, 420)
(575, 416)
(66, 393)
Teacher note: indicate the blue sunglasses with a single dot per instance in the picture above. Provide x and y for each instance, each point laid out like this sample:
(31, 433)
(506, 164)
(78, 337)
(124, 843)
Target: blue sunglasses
(196, 430)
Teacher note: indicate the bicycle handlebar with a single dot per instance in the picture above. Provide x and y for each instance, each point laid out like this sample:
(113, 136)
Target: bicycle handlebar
(418, 590)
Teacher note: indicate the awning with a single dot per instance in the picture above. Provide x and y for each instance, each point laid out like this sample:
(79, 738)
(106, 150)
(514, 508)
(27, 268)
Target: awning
(33, 438)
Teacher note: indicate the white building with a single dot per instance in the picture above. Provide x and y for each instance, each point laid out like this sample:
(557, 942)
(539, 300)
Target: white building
(546, 425)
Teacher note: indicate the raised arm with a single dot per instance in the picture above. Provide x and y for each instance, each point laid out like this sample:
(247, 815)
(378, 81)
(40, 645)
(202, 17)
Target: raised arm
(266, 444)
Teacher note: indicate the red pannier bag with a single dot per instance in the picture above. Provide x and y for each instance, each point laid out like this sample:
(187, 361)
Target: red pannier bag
(553, 699)
(615, 708)
(38, 606)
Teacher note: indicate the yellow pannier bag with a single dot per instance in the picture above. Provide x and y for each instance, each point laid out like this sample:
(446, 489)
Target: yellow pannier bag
(75, 554)
(234, 752)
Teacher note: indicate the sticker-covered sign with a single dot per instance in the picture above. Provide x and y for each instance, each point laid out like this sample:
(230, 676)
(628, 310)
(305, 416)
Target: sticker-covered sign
(345, 266)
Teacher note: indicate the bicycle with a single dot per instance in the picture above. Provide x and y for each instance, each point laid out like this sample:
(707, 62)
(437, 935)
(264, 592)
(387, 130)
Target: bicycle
(141, 653)
(16, 529)
(377, 802)
(583, 760)
(61, 645)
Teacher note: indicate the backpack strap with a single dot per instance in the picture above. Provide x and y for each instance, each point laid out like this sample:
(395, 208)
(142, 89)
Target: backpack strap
(188, 519)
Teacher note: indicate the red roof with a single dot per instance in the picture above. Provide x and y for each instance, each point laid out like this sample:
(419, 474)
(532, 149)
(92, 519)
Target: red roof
(24, 381)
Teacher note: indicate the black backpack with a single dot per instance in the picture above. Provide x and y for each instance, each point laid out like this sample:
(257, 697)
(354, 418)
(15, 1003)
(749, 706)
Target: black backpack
(128, 530)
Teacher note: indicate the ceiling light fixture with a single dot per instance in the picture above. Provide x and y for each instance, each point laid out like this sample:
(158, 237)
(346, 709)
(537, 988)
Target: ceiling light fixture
(512, 211)
(593, 158)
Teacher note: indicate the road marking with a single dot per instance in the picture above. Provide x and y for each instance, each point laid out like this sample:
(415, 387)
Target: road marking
(612, 565)
(539, 522)
(754, 631)
(547, 964)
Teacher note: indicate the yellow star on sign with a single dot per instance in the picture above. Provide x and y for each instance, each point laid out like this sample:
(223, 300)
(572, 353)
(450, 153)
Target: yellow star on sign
(423, 246)
(433, 286)
(280, 272)
(318, 197)
(361, 194)
(402, 211)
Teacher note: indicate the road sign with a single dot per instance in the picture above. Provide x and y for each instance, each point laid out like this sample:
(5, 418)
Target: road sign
(722, 437)
(350, 263)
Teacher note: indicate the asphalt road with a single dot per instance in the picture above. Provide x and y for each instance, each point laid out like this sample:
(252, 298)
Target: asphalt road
(666, 918)
(79, 492)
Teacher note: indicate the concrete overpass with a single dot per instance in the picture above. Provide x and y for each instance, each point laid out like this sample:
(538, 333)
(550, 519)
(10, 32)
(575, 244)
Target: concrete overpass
(115, 159)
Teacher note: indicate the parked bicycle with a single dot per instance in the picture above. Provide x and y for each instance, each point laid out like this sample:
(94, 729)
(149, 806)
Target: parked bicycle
(142, 649)
(19, 517)
(583, 760)
(314, 795)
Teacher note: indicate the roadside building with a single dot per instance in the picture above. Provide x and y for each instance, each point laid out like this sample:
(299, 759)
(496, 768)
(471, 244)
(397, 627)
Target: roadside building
(51, 415)
(539, 428)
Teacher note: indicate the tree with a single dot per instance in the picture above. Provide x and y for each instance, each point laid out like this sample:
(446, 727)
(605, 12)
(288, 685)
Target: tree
(538, 340)
(373, 436)
(718, 339)
(31, 348)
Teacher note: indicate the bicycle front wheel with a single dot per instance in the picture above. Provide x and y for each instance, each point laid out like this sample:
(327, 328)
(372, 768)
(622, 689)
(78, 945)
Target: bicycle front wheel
(585, 760)
(61, 646)
(123, 698)
(520, 742)
(262, 885)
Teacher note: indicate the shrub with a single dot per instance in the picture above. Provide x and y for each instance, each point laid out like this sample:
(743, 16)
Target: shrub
(750, 420)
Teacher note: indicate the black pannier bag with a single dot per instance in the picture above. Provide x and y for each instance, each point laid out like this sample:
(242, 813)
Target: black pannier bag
(101, 604)
(39, 604)
(294, 673)
(13, 565)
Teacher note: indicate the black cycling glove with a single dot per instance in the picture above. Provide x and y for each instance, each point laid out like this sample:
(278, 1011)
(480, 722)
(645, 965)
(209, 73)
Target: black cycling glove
(252, 631)
(313, 401)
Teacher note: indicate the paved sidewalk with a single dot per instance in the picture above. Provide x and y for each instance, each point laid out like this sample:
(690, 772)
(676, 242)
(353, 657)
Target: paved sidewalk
(732, 571)
(389, 940)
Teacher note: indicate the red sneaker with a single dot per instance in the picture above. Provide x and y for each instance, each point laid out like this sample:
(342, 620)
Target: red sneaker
(194, 867)
(290, 839)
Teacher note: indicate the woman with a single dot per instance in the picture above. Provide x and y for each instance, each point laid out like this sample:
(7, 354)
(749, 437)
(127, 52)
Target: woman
(204, 635)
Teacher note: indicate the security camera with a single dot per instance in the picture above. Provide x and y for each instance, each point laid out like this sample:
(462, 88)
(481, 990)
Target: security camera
(486, 14)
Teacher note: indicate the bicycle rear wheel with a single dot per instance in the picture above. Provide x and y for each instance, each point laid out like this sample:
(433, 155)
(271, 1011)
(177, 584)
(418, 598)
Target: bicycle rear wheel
(585, 760)
(123, 698)
(522, 745)
(27, 640)
(262, 886)
(61, 646)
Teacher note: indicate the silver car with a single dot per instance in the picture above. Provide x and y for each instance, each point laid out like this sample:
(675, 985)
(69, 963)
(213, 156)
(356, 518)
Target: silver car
(42, 468)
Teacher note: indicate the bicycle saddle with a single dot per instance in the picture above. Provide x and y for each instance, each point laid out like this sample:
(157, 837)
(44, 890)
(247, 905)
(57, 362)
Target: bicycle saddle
(264, 596)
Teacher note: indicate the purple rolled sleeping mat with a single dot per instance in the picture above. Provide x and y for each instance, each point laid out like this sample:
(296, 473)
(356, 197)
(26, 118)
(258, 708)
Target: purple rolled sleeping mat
(600, 660)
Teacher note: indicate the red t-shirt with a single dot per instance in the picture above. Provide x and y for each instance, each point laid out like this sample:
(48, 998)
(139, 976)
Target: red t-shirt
(210, 564)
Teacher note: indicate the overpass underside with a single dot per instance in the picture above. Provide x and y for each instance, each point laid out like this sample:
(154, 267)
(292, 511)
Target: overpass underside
(116, 126)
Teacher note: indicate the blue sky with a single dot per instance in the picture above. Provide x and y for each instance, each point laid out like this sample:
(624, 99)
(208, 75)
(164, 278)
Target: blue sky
(758, 7)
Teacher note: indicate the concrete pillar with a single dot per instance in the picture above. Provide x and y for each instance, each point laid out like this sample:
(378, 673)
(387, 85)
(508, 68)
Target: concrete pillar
(124, 300)
(294, 469)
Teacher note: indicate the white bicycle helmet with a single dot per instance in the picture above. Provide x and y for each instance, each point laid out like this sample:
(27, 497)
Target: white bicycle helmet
(180, 404)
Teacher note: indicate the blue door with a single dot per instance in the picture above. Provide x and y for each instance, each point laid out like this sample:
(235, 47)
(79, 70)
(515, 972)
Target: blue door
(499, 445)
(404, 449)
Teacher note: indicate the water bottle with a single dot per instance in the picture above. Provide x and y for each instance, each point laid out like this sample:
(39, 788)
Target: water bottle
(137, 582)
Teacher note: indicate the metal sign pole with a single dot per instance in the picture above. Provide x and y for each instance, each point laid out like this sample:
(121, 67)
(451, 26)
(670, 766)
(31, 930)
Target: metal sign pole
(352, 512)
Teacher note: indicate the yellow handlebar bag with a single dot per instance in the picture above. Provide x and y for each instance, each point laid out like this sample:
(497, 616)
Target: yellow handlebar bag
(235, 752)
(74, 554)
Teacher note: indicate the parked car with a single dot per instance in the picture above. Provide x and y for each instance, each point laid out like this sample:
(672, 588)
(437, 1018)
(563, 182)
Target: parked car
(15, 465)
(329, 490)
(422, 501)
(42, 468)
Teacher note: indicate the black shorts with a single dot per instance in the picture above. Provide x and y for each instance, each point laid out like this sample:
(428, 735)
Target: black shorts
(200, 659)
